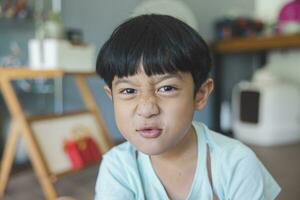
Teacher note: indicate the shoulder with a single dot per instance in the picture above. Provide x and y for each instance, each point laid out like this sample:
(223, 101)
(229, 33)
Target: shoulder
(223, 146)
(230, 154)
(226, 153)
(227, 147)
(240, 173)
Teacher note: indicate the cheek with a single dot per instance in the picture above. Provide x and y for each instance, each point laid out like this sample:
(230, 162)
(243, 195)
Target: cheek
(122, 115)
(179, 107)
(180, 112)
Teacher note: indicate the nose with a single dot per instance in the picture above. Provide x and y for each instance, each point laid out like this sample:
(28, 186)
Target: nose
(147, 107)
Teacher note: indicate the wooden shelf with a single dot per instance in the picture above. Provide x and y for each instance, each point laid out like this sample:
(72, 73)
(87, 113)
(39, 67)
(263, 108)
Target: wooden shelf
(22, 126)
(256, 44)
(27, 73)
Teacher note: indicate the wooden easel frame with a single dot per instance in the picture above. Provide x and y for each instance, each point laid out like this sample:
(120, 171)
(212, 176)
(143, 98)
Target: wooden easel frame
(20, 125)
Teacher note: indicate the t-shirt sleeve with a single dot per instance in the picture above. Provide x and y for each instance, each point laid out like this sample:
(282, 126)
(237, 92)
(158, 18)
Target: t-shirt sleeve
(111, 183)
(251, 180)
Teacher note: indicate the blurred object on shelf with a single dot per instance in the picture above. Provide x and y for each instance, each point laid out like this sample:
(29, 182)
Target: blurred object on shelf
(61, 54)
(18, 9)
(289, 18)
(226, 28)
(50, 49)
(56, 6)
(75, 36)
(52, 27)
(13, 58)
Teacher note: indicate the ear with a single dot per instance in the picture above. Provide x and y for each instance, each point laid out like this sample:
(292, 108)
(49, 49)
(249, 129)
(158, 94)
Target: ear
(203, 93)
(108, 91)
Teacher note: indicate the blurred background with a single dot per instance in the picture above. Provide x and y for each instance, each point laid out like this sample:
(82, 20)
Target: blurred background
(254, 43)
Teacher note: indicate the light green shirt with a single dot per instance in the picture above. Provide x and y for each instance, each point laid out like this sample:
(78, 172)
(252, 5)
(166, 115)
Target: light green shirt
(126, 173)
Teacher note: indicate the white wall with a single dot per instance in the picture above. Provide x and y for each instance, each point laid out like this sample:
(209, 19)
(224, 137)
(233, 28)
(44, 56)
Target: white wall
(97, 18)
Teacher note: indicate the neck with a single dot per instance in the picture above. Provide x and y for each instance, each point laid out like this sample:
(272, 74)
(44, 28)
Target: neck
(184, 150)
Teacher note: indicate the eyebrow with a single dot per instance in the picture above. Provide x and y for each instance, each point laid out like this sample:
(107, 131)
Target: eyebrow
(168, 76)
(160, 79)
(119, 81)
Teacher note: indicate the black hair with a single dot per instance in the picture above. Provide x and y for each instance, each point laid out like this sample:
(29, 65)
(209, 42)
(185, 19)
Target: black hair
(161, 43)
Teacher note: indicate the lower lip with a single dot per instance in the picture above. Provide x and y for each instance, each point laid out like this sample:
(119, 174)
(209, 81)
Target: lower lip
(151, 133)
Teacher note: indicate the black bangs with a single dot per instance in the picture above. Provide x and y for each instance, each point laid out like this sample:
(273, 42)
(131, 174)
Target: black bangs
(159, 43)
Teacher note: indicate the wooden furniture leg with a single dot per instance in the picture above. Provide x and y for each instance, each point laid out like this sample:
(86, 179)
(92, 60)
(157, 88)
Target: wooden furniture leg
(8, 155)
(106, 142)
(34, 154)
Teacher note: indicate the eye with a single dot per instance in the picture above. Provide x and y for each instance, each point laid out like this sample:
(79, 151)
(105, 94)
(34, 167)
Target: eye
(167, 88)
(128, 91)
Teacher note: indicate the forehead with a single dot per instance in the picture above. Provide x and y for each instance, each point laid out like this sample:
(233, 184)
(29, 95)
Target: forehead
(142, 77)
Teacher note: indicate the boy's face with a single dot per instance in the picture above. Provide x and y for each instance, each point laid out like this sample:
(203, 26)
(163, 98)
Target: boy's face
(154, 113)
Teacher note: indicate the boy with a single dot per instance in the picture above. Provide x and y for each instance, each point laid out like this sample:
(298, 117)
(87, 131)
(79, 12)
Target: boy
(156, 72)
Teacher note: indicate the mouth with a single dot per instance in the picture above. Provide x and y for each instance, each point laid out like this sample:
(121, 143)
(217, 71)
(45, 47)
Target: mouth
(149, 132)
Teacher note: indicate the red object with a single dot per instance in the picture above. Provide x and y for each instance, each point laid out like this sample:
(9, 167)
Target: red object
(93, 149)
(82, 151)
(74, 155)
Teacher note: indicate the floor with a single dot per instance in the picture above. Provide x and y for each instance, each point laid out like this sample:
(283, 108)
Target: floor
(24, 186)
(283, 162)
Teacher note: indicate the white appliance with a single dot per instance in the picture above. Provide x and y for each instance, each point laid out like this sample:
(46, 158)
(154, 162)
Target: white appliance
(61, 54)
(266, 111)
